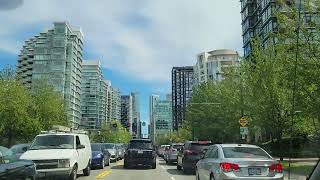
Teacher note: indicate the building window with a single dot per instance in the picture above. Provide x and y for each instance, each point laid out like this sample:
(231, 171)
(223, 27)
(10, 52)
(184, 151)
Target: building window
(267, 14)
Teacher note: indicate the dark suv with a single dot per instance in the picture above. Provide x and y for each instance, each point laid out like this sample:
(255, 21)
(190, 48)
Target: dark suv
(190, 154)
(140, 152)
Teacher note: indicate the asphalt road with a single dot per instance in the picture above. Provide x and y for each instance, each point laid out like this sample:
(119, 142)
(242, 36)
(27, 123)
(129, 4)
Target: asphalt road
(116, 172)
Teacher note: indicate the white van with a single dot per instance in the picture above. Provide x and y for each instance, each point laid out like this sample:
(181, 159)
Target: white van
(60, 154)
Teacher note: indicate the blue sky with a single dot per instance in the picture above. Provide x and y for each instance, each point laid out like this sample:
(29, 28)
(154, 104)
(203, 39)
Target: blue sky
(137, 42)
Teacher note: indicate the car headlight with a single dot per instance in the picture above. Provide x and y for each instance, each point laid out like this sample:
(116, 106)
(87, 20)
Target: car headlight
(98, 156)
(63, 163)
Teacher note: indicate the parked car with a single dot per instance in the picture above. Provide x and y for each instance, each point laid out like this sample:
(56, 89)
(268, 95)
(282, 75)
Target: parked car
(190, 154)
(13, 168)
(161, 150)
(237, 161)
(121, 151)
(60, 154)
(113, 150)
(171, 154)
(140, 152)
(100, 155)
(19, 149)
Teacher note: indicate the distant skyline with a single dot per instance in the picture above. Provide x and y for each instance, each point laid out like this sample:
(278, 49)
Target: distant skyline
(137, 42)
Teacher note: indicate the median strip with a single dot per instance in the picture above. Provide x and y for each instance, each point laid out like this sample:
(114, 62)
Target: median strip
(103, 174)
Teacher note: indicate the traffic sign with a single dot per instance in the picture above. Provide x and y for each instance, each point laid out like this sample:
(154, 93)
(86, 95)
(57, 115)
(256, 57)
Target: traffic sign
(244, 130)
(243, 121)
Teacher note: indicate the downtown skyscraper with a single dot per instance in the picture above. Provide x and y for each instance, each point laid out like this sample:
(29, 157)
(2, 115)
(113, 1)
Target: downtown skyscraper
(93, 96)
(182, 84)
(55, 56)
(153, 99)
(212, 66)
(136, 124)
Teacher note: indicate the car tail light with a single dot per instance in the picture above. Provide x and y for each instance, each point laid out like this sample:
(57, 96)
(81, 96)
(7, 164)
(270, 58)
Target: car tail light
(276, 168)
(189, 152)
(227, 167)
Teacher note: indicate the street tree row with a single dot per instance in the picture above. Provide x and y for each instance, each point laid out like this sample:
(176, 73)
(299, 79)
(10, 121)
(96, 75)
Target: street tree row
(277, 87)
(24, 112)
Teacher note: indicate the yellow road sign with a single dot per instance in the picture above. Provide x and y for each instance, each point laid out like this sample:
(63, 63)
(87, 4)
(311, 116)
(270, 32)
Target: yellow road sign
(243, 121)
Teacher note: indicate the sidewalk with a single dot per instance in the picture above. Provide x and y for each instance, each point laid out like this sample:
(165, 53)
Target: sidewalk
(300, 159)
(294, 176)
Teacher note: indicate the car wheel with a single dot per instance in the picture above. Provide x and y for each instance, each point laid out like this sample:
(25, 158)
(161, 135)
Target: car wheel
(86, 171)
(102, 163)
(125, 165)
(185, 170)
(73, 175)
(154, 165)
(108, 163)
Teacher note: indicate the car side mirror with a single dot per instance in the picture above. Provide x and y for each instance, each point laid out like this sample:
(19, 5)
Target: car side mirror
(202, 155)
(80, 146)
(25, 149)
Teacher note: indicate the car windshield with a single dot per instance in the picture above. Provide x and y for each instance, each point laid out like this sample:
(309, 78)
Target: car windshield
(200, 147)
(19, 148)
(245, 152)
(53, 142)
(140, 145)
(96, 147)
(7, 156)
(110, 146)
(177, 146)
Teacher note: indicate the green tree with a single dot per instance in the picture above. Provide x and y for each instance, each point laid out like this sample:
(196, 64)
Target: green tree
(16, 123)
(112, 132)
(48, 105)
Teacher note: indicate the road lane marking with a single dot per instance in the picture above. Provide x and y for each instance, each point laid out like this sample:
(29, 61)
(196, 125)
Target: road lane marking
(163, 167)
(119, 163)
(172, 178)
(103, 174)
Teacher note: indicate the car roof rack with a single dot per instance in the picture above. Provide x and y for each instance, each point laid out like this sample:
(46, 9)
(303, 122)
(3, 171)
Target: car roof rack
(63, 129)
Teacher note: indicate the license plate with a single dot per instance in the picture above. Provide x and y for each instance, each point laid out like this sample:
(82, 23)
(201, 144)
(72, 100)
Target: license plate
(41, 174)
(254, 171)
(140, 152)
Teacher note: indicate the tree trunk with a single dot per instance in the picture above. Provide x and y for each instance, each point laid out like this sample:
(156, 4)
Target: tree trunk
(10, 138)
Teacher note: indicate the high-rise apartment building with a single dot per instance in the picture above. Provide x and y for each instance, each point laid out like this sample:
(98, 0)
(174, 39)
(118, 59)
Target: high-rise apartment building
(55, 56)
(93, 96)
(259, 20)
(108, 100)
(136, 126)
(115, 104)
(182, 84)
(163, 117)
(126, 112)
(152, 103)
(214, 64)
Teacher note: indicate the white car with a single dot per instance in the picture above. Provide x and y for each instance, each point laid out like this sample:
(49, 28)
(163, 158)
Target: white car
(60, 155)
(238, 162)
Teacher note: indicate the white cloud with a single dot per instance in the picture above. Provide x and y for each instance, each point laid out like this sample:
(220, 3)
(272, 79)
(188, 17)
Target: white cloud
(142, 39)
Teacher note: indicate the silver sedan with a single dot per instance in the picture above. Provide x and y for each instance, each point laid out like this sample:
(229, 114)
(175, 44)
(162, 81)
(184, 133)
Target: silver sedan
(237, 161)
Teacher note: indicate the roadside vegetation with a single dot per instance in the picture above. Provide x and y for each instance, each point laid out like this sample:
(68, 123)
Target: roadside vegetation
(112, 132)
(25, 112)
(278, 88)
